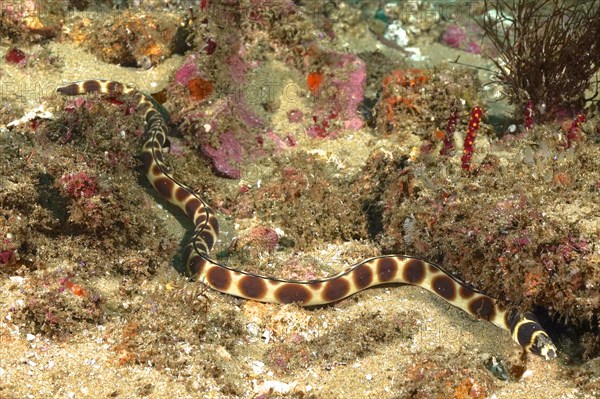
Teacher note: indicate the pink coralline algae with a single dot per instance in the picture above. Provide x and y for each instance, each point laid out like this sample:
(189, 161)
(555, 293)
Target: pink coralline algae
(339, 96)
(15, 56)
(5, 257)
(237, 67)
(295, 115)
(456, 36)
(227, 157)
(235, 146)
(351, 91)
(20, 9)
(473, 48)
(247, 116)
(188, 71)
(79, 185)
(261, 237)
(281, 144)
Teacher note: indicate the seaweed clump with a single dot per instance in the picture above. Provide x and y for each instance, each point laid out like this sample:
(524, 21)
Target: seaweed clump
(548, 52)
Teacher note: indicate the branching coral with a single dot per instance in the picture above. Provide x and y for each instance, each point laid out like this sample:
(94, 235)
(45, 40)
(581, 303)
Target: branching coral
(469, 144)
(548, 52)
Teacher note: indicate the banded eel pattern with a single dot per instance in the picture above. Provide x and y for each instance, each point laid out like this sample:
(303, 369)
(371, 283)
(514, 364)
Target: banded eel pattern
(524, 327)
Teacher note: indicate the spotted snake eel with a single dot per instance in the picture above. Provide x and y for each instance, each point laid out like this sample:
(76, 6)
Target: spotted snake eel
(524, 327)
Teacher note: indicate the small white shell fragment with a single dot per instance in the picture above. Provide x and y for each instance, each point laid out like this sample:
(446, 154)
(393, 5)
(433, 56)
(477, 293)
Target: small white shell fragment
(273, 386)
(415, 54)
(396, 33)
(258, 367)
(253, 329)
(221, 351)
(266, 336)
(17, 279)
(279, 232)
(528, 373)
(38, 112)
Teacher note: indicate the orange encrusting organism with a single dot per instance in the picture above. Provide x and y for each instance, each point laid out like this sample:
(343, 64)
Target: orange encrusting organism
(400, 91)
(75, 288)
(200, 88)
(314, 81)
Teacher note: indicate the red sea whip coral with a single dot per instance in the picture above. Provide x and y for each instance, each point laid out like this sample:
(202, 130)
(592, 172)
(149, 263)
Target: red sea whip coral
(572, 132)
(449, 133)
(469, 144)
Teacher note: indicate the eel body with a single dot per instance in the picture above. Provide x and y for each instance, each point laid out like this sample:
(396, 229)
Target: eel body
(523, 327)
